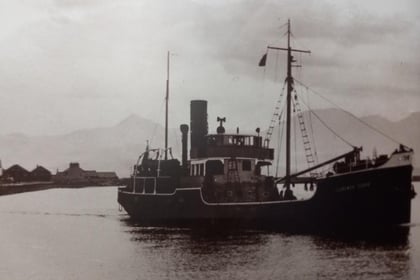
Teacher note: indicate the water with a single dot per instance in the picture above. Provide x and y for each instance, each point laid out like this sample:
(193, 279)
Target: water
(79, 234)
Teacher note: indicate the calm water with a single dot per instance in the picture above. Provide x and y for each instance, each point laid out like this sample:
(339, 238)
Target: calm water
(79, 234)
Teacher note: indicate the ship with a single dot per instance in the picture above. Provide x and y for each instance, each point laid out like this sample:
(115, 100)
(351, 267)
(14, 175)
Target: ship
(223, 179)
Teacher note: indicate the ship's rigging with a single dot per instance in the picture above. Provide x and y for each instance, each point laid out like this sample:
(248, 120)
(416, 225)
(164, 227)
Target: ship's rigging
(290, 87)
(303, 117)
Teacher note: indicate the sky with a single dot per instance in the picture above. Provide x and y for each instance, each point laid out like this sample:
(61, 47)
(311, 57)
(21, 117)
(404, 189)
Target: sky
(77, 64)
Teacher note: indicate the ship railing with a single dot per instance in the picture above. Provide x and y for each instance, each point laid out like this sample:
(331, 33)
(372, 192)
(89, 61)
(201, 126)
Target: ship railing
(143, 184)
(150, 184)
(160, 153)
(137, 165)
(136, 168)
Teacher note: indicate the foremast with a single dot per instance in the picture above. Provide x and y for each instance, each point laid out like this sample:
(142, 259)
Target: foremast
(289, 81)
(290, 87)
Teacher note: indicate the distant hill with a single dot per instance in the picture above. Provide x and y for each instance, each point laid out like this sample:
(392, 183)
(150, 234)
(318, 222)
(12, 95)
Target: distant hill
(117, 147)
(405, 131)
(112, 148)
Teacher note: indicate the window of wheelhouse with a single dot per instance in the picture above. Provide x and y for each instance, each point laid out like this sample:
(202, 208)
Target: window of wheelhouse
(197, 169)
(214, 167)
(246, 165)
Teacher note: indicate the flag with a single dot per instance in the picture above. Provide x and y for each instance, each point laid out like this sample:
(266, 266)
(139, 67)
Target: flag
(262, 61)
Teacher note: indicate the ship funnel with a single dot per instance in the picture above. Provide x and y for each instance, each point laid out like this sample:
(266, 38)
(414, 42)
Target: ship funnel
(199, 128)
(184, 131)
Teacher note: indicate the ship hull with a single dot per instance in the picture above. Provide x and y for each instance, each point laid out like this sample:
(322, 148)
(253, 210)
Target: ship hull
(373, 198)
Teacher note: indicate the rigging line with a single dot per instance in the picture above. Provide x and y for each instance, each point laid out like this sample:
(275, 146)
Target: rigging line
(276, 66)
(307, 146)
(329, 128)
(280, 141)
(297, 43)
(312, 132)
(283, 128)
(283, 25)
(308, 119)
(295, 135)
(299, 67)
(281, 37)
(278, 152)
(353, 116)
(277, 107)
(293, 40)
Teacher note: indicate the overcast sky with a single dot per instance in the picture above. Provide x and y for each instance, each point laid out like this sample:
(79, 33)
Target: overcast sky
(74, 64)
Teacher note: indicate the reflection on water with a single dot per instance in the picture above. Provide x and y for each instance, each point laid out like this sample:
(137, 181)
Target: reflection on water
(206, 253)
(199, 254)
(79, 234)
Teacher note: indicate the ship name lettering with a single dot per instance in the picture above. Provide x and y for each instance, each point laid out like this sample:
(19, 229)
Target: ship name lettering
(363, 185)
(346, 188)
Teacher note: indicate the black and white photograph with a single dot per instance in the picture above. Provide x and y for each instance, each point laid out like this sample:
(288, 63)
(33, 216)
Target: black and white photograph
(209, 139)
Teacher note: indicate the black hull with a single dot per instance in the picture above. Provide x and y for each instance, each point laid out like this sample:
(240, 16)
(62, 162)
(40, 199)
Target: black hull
(372, 198)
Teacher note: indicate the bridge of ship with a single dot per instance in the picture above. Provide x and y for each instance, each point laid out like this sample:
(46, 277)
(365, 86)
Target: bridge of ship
(227, 152)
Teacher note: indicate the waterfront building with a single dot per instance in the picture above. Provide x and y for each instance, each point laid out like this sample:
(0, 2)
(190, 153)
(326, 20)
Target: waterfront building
(40, 173)
(16, 173)
(76, 175)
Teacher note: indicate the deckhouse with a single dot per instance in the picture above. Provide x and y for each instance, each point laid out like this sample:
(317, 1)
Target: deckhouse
(237, 156)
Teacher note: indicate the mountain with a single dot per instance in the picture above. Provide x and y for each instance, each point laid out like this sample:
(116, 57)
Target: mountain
(116, 148)
(105, 149)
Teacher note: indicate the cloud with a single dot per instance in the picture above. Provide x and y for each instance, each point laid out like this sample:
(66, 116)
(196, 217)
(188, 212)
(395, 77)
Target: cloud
(95, 62)
(354, 52)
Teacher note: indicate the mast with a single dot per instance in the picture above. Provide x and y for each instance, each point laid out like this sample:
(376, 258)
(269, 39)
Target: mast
(166, 107)
(289, 81)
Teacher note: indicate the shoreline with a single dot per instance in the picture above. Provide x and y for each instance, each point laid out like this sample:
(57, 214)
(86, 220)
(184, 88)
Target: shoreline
(9, 189)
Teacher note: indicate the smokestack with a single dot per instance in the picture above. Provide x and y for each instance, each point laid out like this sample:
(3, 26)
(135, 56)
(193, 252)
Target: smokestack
(199, 128)
(184, 131)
